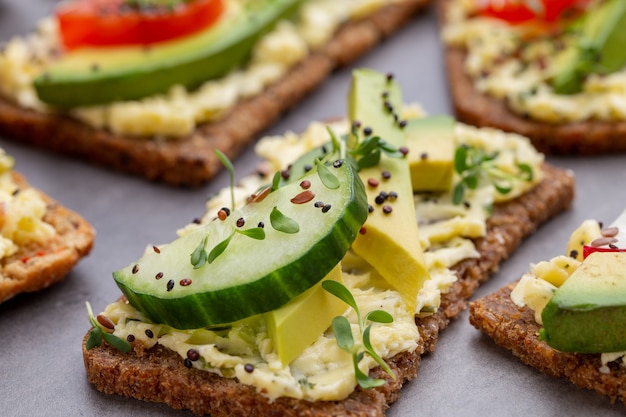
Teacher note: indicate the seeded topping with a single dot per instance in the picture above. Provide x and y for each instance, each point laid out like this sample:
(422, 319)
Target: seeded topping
(573, 253)
(367, 131)
(261, 225)
(193, 355)
(307, 168)
(188, 363)
(159, 275)
(386, 175)
(609, 231)
(170, 285)
(105, 321)
(602, 241)
(403, 150)
(325, 208)
(222, 214)
(370, 208)
(423, 156)
(249, 368)
(305, 184)
(392, 195)
(130, 338)
(362, 230)
(149, 333)
(185, 282)
(387, 209)
(303, 197)
(240, 222)
(135, 268)
(156, 249)
(318, 204)
(403, 124)
(379, 199)
(285, 174)
(338, 163)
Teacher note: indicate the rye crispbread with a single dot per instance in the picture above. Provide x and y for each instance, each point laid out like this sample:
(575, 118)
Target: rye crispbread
(515, 329)
(190, 161)
(37, 266)
(159, 375)
(478, 109)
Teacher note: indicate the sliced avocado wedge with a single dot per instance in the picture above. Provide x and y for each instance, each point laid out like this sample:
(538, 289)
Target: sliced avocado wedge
(390, 242)
(431, 152)
(223, 271)
(90, 76)
(599, 47)
(587, 314)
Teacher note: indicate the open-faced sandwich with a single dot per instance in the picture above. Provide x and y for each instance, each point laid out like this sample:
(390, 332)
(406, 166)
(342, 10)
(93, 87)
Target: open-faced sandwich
(152, 87)
(40, 240)
(552, 70)
(315, 287)
(567, 316)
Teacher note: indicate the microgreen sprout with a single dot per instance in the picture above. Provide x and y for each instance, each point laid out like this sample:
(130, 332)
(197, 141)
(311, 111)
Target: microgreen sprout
(231, 173)
(283, 223)
(97, 334)
(345, 340)
(474, 165)
(329, 179)
(199, 256)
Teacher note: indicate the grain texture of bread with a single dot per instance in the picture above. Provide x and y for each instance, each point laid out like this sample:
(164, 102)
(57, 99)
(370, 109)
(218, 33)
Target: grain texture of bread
(159, 375)
(514, 328)
(37, 266)
(190, 161)
(478, 109)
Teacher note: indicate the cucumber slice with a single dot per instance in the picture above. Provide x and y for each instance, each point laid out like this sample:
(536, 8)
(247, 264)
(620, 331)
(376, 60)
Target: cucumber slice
(238, 275)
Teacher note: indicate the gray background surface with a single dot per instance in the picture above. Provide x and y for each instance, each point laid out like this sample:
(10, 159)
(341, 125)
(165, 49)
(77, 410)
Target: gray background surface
(41, 368)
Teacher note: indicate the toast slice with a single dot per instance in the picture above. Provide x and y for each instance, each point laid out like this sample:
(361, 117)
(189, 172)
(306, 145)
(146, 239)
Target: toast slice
(159, 375)
(473, 107)
(515, 329)
(37, 266)
(190, 161)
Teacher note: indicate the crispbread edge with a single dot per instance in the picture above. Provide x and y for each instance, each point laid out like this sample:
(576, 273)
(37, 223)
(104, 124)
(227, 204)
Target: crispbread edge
(189, 161)
(475, 108)
(38, 266)
(515, 329)
(158, 374)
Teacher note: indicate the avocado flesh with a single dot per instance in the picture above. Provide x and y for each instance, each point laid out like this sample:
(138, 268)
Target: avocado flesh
(90, 76)
(431, 152)
(587, 314)
(297, 325)
(250, 276)
(391, 242)
(599, 49)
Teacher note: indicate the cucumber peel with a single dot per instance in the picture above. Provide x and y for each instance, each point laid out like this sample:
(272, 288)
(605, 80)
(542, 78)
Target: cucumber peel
(247, 274)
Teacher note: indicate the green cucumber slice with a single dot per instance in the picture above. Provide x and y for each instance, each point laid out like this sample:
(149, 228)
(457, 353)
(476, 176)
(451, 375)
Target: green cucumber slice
(246, 275)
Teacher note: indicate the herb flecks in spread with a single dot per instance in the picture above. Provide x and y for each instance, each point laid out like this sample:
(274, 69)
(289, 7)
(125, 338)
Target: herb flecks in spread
(532, 64)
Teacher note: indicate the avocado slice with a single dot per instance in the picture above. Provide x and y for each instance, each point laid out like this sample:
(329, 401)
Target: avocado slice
(587, 314)
(599, 47)
(295, 326)
(390, 242)
(431, 152)
(223, 271)
(90, 76)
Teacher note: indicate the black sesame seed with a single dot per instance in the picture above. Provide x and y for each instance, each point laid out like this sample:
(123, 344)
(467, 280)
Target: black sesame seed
(193, 355)
(188, 363)
(318, 204)
(307, 168)
(149, 333)
(379, 199)
(423, 156)
(240, 222)
(389, 76)
(573, 253)
(370, 208)
(135, 268)
(261, 225)
(338, 163)
(467, 204)
(226, 210)
(170, 285)
(386, 175)
(367, 131)
(612, 246)
(403, 123)
(383, 194)
(393, 195)
(130, 338)
(249, 368)
(325, 208)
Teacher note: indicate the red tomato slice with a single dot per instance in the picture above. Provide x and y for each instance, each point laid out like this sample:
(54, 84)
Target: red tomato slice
(119, 22)
(588, 250)
(519, 11)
